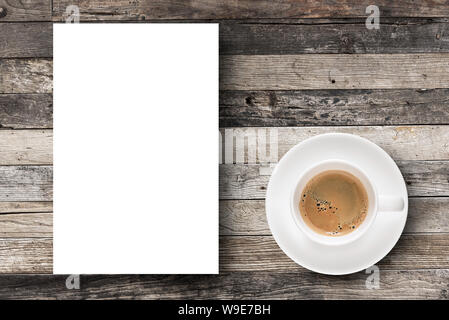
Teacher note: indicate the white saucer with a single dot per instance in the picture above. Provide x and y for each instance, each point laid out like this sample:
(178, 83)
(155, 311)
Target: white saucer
(373, 245)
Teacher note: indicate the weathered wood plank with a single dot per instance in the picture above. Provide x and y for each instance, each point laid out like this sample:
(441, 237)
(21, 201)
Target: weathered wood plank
(249, 253)
(401, 142)
(26, 111)
(261, 253)
(26, 255)
(25, 207)
(237, 217)
(26, 147)
(26, 10)
(26, 183)
(26, 76)
(24, 40)
(413, 284)
(423, 178)
(244, 9)
(248, 217)
(26, 225)
(409, 36)
(330, 71)
(333, 107)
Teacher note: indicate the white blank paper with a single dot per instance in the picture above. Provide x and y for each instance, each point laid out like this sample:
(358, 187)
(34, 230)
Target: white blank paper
(135, 148)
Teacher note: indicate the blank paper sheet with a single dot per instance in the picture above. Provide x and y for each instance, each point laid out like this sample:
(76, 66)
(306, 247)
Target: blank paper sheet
(136, 148)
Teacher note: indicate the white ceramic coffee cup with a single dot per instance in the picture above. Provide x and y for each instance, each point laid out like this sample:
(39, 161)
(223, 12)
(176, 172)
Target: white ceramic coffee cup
(377, 204)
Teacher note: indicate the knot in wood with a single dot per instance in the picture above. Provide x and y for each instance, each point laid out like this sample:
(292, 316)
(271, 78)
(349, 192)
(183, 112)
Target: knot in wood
(3, 12)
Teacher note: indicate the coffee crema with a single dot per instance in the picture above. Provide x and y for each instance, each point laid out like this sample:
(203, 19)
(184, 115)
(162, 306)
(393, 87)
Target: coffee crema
(334, 203)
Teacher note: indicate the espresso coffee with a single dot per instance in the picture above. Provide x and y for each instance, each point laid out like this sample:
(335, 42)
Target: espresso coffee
(334, 203)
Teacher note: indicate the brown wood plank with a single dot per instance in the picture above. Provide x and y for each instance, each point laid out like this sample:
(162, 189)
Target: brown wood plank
(25, 207)
(423, 178)
(395, 36)
(261, 253)
(248, 217)
(333, 107)
(23, 40)
(412, 284)
(26, 183)
(26, 255)
(26, 10)
(26, 147)
(26, 111)
(244, 9)
(401, 142)
(330, 71)
(26, 76)
(26, 225)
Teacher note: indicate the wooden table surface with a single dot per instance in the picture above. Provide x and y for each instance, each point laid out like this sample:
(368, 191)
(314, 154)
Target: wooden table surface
(303, 67)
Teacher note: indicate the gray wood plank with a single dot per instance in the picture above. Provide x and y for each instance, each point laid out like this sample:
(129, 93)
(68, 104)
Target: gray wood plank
(237, 217)
(413, 284)
(26, 255)
(401, 142)
(26, 76)
(23, 40)
(26, 183)
(26, 10)
(26, 111)
(26, 147)
(395, 36)
(248, 217)
(261, 253)
(423, 178)
(244, 9)
(333, 107)
(245, 253)
(330, 71)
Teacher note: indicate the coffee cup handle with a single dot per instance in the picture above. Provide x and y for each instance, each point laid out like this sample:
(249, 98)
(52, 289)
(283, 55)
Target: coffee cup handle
(390, 203)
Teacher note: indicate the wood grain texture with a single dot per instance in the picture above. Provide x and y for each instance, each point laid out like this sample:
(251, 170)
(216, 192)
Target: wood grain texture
(25, 207)
(395, 36)
(428, 142)
(261, 253)
(26, 255)
(413, 284)
(329, 71)
(26, 10)
(26, 147)
(24, 40)
(333, 107)
(248, 217)
(26, 225)
(26, 183)
(244, 9)
(249, 253)
(400, 142)
(26, 76)
(26, 111)
(423, 178)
